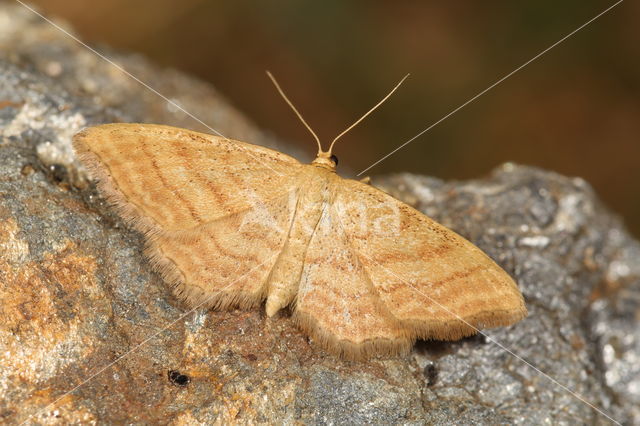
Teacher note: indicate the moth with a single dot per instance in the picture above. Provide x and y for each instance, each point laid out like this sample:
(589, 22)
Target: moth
(233, 225)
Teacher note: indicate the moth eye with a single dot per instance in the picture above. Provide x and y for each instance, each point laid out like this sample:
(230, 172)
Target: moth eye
(334, 159)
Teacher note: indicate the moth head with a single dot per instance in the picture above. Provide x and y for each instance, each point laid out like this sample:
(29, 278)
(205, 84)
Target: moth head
(326, 160)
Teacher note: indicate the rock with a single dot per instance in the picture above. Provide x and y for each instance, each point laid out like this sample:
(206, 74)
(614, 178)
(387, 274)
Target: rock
(91, 334)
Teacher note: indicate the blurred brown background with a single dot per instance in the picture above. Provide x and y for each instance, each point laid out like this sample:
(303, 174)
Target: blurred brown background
(576, 110)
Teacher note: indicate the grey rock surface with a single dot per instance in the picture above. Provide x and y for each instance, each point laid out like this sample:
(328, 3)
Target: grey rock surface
(82, 311)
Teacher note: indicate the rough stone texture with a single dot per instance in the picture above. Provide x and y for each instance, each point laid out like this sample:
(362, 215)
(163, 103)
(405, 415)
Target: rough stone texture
(76, 295)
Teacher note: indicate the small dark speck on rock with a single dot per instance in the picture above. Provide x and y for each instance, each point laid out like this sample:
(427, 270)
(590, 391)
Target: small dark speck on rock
(178, 378)
(431, 374)
(58, 173)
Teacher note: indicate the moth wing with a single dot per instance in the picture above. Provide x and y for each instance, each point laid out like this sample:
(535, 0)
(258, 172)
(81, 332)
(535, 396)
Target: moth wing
(170, 179)
(435, 282)
(337, 304)
(215, 212)
(225, 262)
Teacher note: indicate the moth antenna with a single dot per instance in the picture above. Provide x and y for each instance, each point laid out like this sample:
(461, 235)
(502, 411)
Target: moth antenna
(368, 112)
(275, 83)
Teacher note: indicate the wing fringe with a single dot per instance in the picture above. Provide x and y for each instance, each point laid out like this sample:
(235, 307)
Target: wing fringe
(349, 350)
